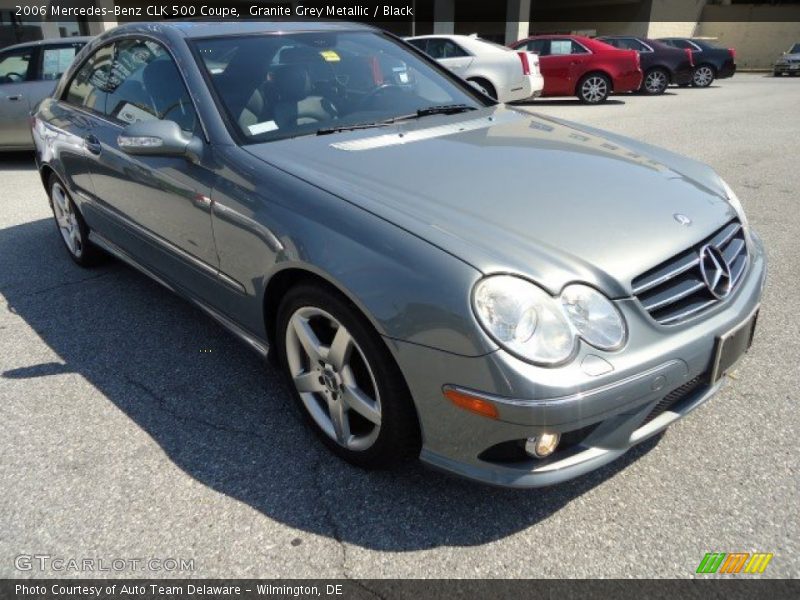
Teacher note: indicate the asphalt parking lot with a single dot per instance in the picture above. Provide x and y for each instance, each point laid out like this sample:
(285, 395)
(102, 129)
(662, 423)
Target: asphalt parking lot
(132, 426)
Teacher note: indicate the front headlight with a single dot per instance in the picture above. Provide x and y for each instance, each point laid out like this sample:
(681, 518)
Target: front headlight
(734, 201)
(523, 319)
(531, 324)
(594, 316)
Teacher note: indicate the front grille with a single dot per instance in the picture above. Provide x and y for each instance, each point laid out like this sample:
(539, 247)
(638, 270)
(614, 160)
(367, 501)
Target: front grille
(675, 290)
(675, 396)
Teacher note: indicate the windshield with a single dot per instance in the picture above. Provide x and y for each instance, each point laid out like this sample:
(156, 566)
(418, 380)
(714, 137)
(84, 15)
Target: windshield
(795, 49)
(285, 85)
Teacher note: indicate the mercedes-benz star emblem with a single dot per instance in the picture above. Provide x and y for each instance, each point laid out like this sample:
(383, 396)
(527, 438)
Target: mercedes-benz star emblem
(715, 270)
(682, 219)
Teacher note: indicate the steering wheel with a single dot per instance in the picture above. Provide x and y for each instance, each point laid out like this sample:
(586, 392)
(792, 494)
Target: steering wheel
(378, 92)
(14, 77)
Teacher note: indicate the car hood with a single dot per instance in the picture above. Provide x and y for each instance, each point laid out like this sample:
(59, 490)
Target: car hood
(506, 190)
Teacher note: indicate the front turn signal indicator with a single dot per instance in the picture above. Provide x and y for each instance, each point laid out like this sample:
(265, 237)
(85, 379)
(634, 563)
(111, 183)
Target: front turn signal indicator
(471, 403)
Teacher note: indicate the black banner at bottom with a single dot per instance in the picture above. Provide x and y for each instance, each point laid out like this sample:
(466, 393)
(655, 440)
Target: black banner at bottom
(385, 589)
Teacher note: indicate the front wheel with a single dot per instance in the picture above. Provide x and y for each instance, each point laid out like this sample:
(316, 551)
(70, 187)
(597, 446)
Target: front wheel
(344, 379)
(594, 88)
(703, 76)
(655, 82)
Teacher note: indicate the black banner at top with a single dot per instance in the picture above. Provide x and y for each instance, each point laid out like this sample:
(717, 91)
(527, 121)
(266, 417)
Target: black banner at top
(404, 11)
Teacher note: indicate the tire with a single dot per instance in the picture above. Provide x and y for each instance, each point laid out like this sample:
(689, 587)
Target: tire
(70, 224)
(655, 82)
(703, 76)
(776, 74)
(486, 87)
(354, 397)
(594, 88)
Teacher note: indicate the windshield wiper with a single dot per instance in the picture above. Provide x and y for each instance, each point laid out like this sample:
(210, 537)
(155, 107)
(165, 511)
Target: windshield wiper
(338, 128)
(442, 109)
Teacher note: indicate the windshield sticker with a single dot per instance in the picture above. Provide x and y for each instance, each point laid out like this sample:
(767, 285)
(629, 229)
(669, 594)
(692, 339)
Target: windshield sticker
(330, 56)
(264, 127)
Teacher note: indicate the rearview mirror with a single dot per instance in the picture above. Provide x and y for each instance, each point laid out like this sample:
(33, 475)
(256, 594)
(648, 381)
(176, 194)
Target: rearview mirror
(159, 138)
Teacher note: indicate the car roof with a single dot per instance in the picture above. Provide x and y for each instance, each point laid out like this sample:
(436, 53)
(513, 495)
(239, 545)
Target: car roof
(208, 29)
(49, 42)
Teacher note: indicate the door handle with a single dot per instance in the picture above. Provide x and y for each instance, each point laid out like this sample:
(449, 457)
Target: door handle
(92, 144)
(15, 98)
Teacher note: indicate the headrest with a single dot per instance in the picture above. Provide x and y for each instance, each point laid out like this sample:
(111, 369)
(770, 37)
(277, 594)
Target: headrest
(293, 82)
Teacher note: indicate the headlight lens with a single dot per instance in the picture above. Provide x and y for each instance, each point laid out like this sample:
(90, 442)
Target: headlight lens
(594, 316)
(734, 201)
(524, 319)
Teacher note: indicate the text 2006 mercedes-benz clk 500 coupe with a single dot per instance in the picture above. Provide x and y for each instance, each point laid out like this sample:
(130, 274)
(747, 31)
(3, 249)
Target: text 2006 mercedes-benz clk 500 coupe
(511, 298)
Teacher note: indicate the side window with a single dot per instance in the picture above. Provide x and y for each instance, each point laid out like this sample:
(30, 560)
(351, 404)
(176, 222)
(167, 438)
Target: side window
(560, 47)
(637, 45)
(419, 44)
(145, 84)
(576, 48)
(616, 42)
(439, 48)
(56, 60)
(15, 66)
(684, 44)
(540, 47)
(90, 85)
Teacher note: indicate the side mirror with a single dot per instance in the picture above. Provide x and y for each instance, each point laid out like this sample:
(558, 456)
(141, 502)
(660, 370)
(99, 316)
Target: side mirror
(159, 138)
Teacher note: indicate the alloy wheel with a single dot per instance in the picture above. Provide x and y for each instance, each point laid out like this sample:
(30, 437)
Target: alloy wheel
(655, 82)
(333, 378)
(703, 76)
(67, 220)
(594, 89)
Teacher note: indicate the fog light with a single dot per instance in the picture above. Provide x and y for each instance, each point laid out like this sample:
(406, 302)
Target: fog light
(542, 445)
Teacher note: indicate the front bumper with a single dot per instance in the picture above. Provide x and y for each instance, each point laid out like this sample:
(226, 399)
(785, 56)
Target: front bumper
(603, 415)
(628, 82)
(787, 68)
(727, 70)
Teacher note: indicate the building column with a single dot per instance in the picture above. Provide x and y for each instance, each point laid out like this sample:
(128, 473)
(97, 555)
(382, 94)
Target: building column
(444, 16)
(95, 27)
(518, 19)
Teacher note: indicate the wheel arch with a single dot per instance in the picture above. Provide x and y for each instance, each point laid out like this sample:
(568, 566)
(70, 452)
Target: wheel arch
(589, 73)
(292, 275)
(288, 278)
(488, 79)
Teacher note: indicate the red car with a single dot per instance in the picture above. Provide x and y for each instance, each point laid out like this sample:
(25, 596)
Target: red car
(573, 65)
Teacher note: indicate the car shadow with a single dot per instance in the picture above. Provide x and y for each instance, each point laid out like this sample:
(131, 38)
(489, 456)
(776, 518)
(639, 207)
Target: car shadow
(225, 418)
(17, 161)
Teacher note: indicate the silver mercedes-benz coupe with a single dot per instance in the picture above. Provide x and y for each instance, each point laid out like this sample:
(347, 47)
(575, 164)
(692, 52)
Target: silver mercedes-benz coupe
(511, 298)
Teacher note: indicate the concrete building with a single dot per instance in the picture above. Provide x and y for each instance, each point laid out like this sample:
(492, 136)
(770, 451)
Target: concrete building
(759, 29)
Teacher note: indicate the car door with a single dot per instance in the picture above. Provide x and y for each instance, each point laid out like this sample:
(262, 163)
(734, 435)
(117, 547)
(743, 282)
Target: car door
(563, 65)
(449, 54)
(157, 208)
(17, 69)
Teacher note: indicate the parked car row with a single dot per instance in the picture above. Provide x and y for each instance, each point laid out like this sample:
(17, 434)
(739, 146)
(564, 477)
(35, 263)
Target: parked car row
(572, 65)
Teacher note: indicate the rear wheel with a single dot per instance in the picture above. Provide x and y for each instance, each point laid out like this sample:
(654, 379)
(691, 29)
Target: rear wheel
(703, 76)
(344, 379)
(486, 87)
(655, 82)
(73, 229)
(594, 88)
